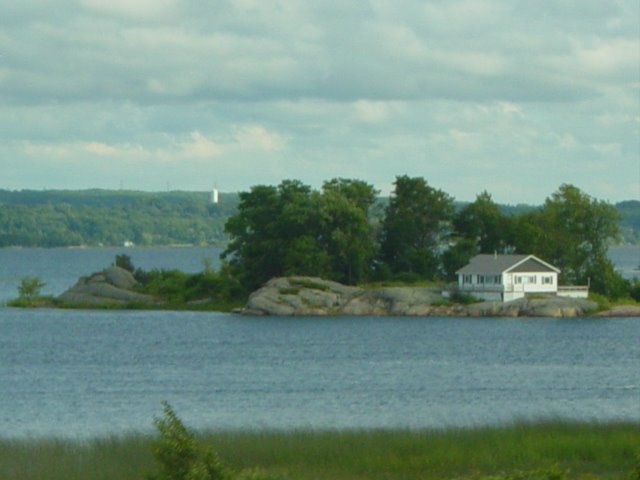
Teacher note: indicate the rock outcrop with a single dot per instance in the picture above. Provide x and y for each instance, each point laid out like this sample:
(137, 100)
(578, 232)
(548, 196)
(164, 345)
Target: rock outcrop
(315, 296)
(112, 285)
(621, 311)
(556, 307)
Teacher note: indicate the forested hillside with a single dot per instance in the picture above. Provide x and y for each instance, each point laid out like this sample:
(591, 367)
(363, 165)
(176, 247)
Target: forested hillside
(629, 214)
(59, 218)
(104, 217)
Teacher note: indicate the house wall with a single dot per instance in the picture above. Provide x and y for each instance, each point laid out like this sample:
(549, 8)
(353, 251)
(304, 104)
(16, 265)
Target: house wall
(531, 282)
(508, 286)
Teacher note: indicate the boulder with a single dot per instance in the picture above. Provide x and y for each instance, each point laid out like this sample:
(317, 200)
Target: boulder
(120, 278)
(112, 285)
(299, 296)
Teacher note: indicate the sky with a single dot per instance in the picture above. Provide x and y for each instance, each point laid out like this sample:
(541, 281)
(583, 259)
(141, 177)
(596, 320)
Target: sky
(515, 97)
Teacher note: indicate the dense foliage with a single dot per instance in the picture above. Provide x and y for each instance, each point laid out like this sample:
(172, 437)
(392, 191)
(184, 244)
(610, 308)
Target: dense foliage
(343, 232)
(292, 229)
(98, 217)
(415, 225)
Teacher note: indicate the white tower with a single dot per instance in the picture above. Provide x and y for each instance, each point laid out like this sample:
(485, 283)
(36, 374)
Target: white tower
(214, 196)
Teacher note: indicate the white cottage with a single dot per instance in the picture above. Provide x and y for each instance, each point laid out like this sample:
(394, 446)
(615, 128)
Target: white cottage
(509, 277)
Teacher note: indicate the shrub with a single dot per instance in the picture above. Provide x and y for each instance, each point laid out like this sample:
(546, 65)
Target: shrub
(602, 301)
(408, 277)
(124, 261)
(305, 283)
(635, 474)
(289, 291)
(180, 455)
(166, 284)
(30, 287)
(634, 290)
(463, 298)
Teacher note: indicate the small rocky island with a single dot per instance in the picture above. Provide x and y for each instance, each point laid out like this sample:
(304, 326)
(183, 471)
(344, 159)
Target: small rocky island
(312, 296)
(113, 285)
(315, 296)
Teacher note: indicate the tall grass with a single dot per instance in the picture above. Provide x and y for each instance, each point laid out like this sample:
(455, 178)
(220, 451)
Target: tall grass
(582, 450)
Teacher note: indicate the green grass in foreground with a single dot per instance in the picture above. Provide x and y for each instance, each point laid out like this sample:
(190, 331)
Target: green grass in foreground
(582, 450)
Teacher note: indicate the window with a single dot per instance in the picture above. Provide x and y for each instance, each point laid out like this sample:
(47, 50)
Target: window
(547, 280)
(531, 279)
(517, 279)
(480, 279)
(466, 279)
(497, 279)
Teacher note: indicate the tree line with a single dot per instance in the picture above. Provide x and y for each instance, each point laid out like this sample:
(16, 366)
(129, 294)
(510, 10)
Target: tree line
(341, 232)
(102, 217)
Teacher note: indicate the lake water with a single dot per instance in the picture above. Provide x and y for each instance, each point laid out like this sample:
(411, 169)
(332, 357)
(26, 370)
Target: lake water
(85, 373)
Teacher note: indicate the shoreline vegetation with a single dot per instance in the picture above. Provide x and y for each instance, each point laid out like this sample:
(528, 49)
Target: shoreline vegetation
(122, 287)
(543, 450)
(344, 234)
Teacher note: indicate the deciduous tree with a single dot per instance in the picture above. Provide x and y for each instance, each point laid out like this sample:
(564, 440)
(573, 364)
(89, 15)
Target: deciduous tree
(414, 227)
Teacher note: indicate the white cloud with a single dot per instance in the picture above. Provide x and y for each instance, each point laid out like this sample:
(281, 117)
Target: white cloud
(256, 137)
(199, 146)
(370, 111)
(100, 148)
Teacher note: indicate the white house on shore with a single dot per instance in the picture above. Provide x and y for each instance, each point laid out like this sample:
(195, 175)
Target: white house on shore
(509, 277)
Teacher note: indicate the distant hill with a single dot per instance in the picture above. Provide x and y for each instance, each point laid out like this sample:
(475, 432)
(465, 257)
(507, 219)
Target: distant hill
(59, 218)
(629, 212)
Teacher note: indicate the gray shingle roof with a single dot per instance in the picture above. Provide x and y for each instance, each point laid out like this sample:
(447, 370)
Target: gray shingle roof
(496, 264)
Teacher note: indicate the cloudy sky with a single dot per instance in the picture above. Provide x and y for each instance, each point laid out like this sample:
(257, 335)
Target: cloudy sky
(511, 96)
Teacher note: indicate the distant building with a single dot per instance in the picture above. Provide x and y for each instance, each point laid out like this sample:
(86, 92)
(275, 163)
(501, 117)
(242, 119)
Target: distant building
(509, 277)
(214, 196)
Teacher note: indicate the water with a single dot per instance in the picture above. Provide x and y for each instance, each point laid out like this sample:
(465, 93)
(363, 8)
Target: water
(626, 258)
(84, 373)
(79, 373)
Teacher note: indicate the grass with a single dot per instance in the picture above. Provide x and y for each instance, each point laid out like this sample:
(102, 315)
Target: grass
(605, 303)
(52, 302)
(584, 451)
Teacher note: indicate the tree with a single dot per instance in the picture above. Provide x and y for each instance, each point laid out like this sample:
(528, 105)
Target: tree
(346, 236)
(573, 231)
(414, 227)
(483, 223)
(30, 287)
(478, 227)
(292, 230)
(254, 253)
(359, 193)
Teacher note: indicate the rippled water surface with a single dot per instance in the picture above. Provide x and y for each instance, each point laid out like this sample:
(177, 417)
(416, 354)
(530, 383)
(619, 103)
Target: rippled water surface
(85, 373)
(79, 373)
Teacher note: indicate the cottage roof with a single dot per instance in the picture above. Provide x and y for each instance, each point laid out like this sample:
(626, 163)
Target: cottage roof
(496, 264)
